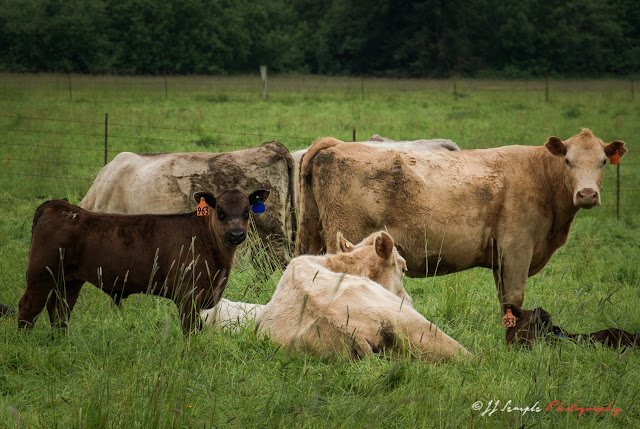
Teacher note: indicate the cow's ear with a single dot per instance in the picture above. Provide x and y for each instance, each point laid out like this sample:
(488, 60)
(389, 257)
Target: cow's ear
(555, 146)
(258, 197)
(344, 245)
(384, 245)
(515, 310)
(613, 147)
(208, 198)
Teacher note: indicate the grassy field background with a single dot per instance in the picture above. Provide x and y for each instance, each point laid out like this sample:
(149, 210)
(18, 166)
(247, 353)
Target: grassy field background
(133, 368)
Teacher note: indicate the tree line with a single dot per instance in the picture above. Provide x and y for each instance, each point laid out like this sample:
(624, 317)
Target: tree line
(351, 37)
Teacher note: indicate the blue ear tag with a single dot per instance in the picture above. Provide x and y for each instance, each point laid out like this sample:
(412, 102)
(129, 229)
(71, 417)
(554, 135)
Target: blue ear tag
(258, 207)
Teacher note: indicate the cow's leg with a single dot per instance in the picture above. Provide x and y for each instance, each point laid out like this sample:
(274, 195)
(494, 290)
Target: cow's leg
(189, 306)
(62, 301)
(510, 274)
(40, 286)
(30, 306)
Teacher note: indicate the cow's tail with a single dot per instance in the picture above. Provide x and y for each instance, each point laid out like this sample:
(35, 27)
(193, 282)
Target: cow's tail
(309, 239)
(280, 149)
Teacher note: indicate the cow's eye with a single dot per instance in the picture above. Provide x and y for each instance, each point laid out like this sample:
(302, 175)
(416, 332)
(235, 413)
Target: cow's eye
(246, 214)
(604, 162)
(221, 215)
(566, 161)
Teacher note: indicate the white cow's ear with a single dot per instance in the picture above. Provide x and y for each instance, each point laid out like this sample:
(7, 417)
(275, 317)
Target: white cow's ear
(384, 245)
(614, 147)
(344, 245)
(555, 146)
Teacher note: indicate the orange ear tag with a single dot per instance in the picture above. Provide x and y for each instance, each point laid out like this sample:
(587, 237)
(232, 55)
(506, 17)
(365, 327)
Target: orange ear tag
(615, 158)
(203, 208)
(508, 320)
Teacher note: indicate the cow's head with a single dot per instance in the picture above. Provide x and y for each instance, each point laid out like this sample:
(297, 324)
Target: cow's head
(377, 258)
(584, 156)
(530, 324)
(230, 212)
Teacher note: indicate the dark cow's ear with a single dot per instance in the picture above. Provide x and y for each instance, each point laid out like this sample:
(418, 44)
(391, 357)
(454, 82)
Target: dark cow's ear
(208, 198)
(515, 310)
(613, 147)
(542, 316)
(257, 199)
(344, 245)
(384, 245)
(555, 146)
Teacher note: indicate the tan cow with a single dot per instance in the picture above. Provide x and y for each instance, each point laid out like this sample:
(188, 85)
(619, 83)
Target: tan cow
(163, 183)
(379, 142)
(362, 259)
(317, 308)
(507, 208)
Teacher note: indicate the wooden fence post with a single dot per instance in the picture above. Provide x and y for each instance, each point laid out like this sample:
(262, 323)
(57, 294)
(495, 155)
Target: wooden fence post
(362, 85)
(69, 82)
(546, 86)
(455, 88)
(265, 88)
(106, 128)
(354, 134)
(166, 89)
(631, 85)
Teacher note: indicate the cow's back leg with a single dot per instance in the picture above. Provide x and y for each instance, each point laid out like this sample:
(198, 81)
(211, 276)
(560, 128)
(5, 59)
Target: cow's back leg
(62, 301)
(354, 229)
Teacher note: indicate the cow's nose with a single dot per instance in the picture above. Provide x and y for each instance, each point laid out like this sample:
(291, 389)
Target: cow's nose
(587, 197)
(236, 236)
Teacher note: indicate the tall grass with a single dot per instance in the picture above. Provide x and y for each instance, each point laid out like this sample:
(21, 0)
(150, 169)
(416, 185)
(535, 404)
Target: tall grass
(133, 367)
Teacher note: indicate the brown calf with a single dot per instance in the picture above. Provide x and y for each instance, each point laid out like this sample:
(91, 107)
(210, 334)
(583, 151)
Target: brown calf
(184, 257)
(536, 323)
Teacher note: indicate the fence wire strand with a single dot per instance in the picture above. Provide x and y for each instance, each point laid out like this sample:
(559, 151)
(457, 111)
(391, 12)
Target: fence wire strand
(115, 150)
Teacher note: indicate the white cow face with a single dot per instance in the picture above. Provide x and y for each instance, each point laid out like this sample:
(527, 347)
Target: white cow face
(584, 159)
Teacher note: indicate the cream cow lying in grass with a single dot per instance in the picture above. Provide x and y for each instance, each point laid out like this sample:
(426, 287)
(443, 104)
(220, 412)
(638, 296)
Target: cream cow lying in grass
(350, 303)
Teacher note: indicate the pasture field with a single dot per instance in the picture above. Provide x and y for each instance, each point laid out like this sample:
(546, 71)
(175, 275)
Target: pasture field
(133, 367)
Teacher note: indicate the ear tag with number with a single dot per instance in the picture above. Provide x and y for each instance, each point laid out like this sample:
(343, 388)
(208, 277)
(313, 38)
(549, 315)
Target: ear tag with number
(258, 207)
(508, 320)
(615, 158)
(203, 208)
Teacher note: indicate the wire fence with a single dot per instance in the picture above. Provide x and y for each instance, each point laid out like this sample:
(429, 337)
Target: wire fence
(104, 144)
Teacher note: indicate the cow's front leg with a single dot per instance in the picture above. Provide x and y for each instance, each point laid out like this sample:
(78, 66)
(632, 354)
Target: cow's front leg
(510, 271)
(189, 307)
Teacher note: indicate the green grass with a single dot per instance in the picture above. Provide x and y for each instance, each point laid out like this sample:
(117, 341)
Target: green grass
(133, 368)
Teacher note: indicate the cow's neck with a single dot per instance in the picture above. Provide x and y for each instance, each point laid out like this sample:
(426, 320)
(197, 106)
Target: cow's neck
(560, 206)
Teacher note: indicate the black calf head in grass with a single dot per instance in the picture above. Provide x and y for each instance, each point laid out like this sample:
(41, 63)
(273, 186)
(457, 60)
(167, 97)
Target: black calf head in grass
(532, 324)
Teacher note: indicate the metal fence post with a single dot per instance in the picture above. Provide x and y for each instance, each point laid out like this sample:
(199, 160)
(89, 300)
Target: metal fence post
(618, 191)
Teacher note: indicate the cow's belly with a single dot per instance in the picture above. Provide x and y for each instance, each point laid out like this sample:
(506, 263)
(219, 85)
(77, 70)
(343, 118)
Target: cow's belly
(439, 254)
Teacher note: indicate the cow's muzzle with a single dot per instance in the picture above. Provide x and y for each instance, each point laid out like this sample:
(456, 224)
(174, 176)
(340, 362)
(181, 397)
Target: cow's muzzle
(586, 198)
(236, 236)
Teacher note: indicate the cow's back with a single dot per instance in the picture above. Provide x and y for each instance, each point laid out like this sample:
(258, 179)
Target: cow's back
(165, 183)
(357, 189)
